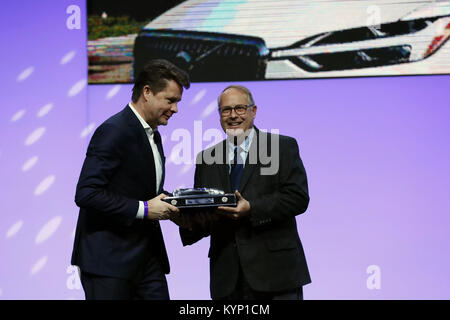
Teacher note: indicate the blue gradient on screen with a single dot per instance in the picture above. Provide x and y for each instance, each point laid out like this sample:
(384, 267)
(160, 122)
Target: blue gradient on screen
(375, 151)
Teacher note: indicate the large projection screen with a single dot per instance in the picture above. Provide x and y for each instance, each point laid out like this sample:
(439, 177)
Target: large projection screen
(247, 40)
(375, 151)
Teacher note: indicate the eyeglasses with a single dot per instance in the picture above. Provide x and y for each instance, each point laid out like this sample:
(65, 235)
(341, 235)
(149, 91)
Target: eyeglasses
(240, 109)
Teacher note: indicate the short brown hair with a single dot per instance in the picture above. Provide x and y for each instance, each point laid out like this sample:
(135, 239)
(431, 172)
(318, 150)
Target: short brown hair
(155, 74)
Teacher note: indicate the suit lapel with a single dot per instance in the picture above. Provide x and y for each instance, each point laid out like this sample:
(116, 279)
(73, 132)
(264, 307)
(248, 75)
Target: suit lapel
(144, 145)
(222, 166)
(158, 142)
(142, 136)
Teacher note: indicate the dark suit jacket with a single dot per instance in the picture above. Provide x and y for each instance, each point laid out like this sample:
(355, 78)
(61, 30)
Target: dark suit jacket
(118, 171)
(266, 243)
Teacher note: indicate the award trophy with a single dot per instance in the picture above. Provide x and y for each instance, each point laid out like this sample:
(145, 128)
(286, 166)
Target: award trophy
(201, 198)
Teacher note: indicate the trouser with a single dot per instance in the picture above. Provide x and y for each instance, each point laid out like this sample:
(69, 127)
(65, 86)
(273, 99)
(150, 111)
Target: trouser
(149, 283)
(243, 291)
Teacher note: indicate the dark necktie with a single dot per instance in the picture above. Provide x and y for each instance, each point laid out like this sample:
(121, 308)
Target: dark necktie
(237, 167)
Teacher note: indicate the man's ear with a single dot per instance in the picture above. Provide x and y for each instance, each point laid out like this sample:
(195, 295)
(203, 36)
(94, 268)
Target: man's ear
(147, 92)
(255, 108)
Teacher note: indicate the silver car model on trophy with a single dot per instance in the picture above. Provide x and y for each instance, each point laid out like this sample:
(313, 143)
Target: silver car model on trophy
(200, 197)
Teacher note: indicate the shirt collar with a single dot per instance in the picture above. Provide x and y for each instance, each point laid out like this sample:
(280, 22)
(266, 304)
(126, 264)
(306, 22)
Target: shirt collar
(245, 145)
(145, 125)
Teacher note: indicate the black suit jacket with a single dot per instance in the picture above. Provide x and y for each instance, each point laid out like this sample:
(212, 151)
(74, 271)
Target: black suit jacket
(266, 243)
(118, 171)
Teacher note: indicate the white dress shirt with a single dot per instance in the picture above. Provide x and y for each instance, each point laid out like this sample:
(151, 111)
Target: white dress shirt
(244, 147)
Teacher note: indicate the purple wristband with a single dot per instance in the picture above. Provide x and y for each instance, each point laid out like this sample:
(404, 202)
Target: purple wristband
(145, 209)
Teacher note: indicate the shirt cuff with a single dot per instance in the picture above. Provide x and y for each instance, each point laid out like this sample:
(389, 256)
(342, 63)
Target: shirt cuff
(140, 212)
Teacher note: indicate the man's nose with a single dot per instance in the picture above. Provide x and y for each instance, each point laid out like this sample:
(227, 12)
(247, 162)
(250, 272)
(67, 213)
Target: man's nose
(174, 108)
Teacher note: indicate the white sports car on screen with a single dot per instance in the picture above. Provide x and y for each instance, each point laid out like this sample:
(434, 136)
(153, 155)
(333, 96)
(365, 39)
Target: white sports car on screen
(280, 39)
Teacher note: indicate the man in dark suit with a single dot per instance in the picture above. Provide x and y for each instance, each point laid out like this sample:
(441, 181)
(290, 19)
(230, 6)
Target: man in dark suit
(118, 245)
(255, 250)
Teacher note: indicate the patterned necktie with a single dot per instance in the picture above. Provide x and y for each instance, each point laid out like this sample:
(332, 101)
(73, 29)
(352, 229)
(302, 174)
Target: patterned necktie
(237, 167)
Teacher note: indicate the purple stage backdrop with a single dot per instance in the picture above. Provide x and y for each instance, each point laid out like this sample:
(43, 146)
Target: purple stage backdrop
(375, 151)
